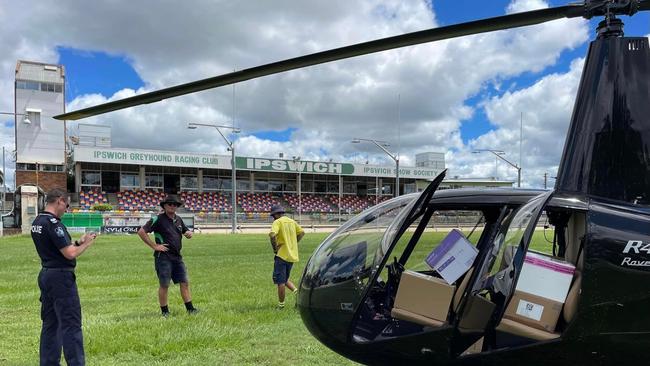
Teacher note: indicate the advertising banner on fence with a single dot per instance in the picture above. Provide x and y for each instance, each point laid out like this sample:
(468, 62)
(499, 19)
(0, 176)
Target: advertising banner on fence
(120, 229)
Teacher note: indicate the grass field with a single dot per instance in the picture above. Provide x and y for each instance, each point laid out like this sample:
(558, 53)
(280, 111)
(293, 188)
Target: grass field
(230, 278)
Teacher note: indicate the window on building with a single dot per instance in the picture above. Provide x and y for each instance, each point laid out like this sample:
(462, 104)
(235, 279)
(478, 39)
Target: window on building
(153, 180)
(210, 183)
(320, 187)
(226, 184)
(275, 186)
(243, 185)
(91, 178)
(50, 168)
(290, 185)
(189, 182)
(307, 186)
(128, 180)
(349, 188)
(42, 86)
(261, 186)
(25, 166)
(333, 187)
(27, 85)
(387, 189)
(34, 117)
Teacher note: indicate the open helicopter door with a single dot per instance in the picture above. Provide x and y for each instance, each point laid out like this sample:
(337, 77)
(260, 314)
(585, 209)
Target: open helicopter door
(492, 290)
(341, 282)
(377, 329)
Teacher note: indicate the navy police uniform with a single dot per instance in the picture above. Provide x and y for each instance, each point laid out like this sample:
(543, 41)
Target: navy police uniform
(60, 306)
(169, 265)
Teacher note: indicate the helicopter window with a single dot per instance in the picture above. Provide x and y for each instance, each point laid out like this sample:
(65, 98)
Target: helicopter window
(380, 317)
(350, 251)
(437, 228)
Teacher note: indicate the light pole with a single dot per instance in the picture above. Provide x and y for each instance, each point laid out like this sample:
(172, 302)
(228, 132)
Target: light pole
(498, 154)
(231, 147)
(382, 145)
(299, 184)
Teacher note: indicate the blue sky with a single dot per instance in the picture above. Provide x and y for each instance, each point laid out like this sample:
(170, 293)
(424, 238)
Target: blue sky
(447, 89)
(117, 72)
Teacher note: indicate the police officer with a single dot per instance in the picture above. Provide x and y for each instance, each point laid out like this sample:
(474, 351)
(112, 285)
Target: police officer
(60, 307)
(169, 229)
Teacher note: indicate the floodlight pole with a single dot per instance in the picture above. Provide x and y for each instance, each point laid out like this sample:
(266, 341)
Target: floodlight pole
(231, 147)
(299, 184)
(498, 154)
(395, 157)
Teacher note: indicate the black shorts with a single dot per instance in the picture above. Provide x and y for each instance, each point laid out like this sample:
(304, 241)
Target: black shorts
(169, 269)
(281, 271)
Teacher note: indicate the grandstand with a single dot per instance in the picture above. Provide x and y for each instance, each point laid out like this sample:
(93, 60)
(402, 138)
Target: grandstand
(132, 182)
(137, 180)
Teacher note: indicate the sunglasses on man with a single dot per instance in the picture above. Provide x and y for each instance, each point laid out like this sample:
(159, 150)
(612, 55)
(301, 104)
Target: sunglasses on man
(67, 204)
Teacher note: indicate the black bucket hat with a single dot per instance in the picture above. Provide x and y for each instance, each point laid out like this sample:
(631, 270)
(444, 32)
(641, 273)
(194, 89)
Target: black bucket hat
(171, 198)
(276, 209)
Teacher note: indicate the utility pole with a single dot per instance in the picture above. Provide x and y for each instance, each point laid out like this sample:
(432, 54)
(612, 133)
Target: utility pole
(545, 178)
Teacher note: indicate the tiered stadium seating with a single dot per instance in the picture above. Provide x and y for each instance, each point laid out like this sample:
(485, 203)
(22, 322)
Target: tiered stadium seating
(147, 200)
(355, 203)
(256, 202)
(206, 201)
(89, 198)
(220, 202)
(310, 203)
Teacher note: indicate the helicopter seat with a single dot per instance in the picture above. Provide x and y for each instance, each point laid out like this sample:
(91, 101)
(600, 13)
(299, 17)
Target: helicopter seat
(402, 314)
(523, 330)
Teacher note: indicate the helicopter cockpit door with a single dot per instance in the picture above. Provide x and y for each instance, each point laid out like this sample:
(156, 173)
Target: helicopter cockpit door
(498, 273)
(375, 333)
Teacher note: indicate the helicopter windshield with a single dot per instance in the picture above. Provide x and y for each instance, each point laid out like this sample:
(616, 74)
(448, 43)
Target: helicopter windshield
(353, 251)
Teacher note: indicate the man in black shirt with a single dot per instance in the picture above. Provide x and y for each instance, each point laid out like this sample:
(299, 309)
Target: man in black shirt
(60, 306)
(169, 229)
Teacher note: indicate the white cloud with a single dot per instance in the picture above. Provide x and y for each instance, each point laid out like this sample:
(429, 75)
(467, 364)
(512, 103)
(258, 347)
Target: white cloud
(327, 104)
(546, 108)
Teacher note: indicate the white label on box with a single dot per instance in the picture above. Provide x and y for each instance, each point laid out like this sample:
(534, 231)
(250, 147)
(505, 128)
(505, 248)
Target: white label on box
(530, 310)
(545, 277)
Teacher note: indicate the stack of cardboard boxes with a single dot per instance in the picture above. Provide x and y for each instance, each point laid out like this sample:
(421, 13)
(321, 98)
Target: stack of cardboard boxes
(425, 299)
(540, 292)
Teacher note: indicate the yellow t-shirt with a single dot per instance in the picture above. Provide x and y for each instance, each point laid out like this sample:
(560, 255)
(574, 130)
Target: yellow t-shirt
(286, 231)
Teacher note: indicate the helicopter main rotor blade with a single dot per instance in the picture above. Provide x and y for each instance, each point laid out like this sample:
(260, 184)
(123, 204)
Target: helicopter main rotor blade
(430, 35)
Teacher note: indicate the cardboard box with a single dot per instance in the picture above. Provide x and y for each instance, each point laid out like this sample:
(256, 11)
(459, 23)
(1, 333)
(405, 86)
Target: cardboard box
(453, 257)
(546, 277)
(541, 290)
(424, 295)
(535, 311)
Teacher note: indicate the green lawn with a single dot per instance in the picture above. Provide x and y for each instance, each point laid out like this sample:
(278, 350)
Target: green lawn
(231, 283)
(230, 277)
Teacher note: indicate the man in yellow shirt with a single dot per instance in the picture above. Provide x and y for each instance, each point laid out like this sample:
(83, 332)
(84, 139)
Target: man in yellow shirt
(285, 235)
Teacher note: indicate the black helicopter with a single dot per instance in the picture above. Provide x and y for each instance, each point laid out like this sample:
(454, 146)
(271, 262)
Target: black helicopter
(600, 209)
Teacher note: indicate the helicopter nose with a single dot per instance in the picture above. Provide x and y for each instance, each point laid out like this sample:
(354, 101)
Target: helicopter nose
(326, 312)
